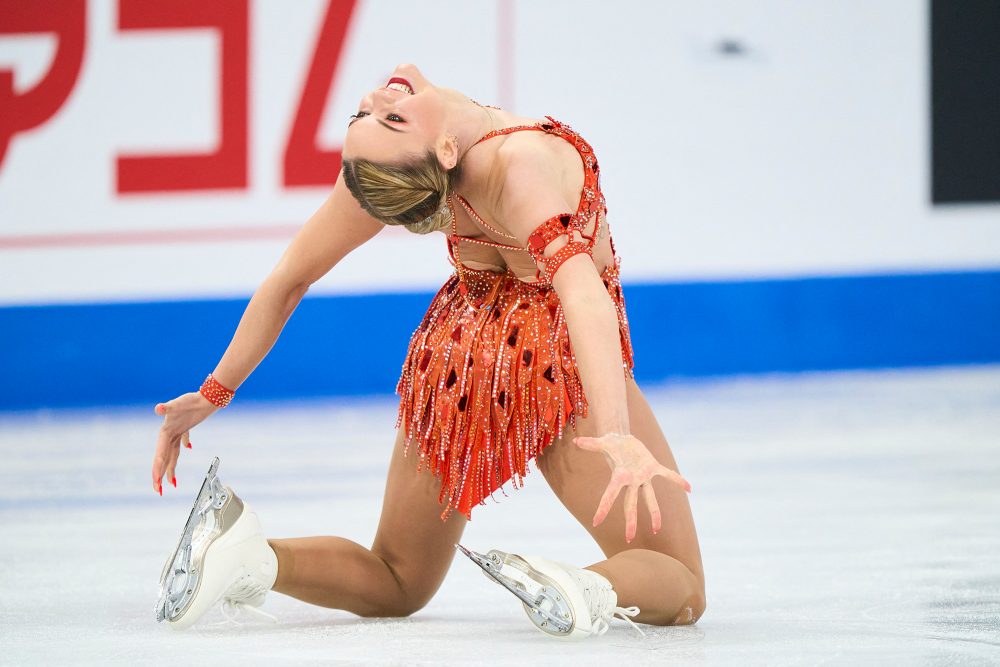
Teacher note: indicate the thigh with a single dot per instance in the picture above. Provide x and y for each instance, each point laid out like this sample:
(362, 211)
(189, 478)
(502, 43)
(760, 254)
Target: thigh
(411, 538)
(579, 477)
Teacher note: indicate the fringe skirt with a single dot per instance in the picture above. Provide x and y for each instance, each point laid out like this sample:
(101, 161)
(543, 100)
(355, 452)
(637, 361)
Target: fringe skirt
(490, 380)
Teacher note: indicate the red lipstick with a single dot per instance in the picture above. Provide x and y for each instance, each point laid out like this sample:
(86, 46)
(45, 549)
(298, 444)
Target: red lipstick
(398, 79)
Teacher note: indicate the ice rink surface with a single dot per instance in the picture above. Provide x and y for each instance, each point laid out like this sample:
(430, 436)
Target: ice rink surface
(844, 518)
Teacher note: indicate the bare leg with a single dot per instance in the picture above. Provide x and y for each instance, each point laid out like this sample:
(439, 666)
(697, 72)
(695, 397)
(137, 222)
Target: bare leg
(408, 560)
(661, 574)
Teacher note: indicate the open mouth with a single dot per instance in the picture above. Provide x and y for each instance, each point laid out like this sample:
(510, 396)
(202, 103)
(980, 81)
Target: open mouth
(400, 84)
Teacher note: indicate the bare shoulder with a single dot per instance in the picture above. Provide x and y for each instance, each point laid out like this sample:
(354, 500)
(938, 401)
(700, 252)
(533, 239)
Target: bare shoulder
(525, 156)
(530, 175)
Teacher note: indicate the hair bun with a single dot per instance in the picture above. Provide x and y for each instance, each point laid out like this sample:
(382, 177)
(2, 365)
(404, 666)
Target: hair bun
(439, 219)
(413, 195)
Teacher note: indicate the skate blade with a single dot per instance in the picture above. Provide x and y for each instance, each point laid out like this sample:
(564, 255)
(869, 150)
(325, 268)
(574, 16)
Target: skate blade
(547, 608)
(172, 599)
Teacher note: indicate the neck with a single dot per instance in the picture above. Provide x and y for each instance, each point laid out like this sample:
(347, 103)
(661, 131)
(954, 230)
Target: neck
(470, 122)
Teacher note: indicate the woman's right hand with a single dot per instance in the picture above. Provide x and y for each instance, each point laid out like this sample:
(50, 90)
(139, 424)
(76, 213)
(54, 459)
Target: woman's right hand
(179, 416)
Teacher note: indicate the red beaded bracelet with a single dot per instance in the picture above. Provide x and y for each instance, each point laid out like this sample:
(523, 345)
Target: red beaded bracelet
(215, 392)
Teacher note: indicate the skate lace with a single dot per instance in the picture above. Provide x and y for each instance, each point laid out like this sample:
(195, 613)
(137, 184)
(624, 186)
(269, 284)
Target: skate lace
(602, 610)
(238, 598)
(233, 610)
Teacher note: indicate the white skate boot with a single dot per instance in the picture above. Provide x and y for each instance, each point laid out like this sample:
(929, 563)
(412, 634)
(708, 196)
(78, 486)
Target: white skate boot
(222, 554)
(561, 600)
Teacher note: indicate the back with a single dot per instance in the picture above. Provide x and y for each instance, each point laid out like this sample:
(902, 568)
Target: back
(489, 235)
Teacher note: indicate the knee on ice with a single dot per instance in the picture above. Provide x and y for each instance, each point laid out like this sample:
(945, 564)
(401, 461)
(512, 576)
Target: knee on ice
(406, 605)
(691, 611)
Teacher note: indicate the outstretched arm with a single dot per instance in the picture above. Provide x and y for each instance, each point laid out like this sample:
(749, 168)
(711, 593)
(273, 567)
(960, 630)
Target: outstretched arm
(337, 228)
(532, 193)
(334, 230)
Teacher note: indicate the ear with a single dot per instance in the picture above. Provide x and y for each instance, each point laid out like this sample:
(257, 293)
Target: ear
(447, 151)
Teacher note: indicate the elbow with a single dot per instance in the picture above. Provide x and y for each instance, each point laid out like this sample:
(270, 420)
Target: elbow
(291, 299)
(298, 291)
(295, 295)
(285, 289)
(292, 284)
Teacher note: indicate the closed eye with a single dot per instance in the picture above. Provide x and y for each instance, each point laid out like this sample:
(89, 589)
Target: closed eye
(361, 114)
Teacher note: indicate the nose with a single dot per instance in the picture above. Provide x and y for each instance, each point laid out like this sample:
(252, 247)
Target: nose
(376, 100)
(382, 96)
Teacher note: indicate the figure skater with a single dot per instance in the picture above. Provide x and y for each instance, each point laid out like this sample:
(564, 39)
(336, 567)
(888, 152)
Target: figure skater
(524, 353)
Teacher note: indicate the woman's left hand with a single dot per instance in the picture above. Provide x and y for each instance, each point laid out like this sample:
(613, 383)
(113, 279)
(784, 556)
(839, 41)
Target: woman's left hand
(633, 469)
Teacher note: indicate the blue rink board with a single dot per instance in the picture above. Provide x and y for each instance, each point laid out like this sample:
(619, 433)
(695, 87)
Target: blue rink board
(101, 354)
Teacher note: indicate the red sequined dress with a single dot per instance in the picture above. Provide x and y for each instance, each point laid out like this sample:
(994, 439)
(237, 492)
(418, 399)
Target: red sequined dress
(490, 379)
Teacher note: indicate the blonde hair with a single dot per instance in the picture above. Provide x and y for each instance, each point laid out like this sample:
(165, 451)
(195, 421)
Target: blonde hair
(413, 195)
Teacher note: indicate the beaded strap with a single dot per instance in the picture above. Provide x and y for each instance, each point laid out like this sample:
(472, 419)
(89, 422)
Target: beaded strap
(562, 224)
(475, 216)
(453, 252)
(547, 232)
(217, 395)
(455, 238)
(508, 130)
(553, 263)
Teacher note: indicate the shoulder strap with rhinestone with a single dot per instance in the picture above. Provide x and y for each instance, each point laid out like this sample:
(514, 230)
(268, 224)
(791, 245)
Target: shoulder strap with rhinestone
(507, 130)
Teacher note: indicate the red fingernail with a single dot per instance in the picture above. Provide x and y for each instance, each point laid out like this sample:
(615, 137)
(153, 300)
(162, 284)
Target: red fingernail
(173, 480)
(188, 445)
(159, 487)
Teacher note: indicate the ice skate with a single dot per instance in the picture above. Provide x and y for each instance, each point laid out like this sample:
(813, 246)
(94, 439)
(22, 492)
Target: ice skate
(561, 600)
(221, 555)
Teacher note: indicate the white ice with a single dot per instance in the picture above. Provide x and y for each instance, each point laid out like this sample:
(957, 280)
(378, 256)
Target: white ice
(845, 518)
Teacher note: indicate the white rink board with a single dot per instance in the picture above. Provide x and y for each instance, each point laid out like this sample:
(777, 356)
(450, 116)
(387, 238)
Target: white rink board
(808, 155)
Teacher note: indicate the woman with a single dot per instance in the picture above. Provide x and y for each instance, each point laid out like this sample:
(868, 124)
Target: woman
(490, 381)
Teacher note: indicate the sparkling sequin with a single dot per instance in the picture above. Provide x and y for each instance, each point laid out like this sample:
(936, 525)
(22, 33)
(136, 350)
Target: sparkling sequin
(490, 378)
